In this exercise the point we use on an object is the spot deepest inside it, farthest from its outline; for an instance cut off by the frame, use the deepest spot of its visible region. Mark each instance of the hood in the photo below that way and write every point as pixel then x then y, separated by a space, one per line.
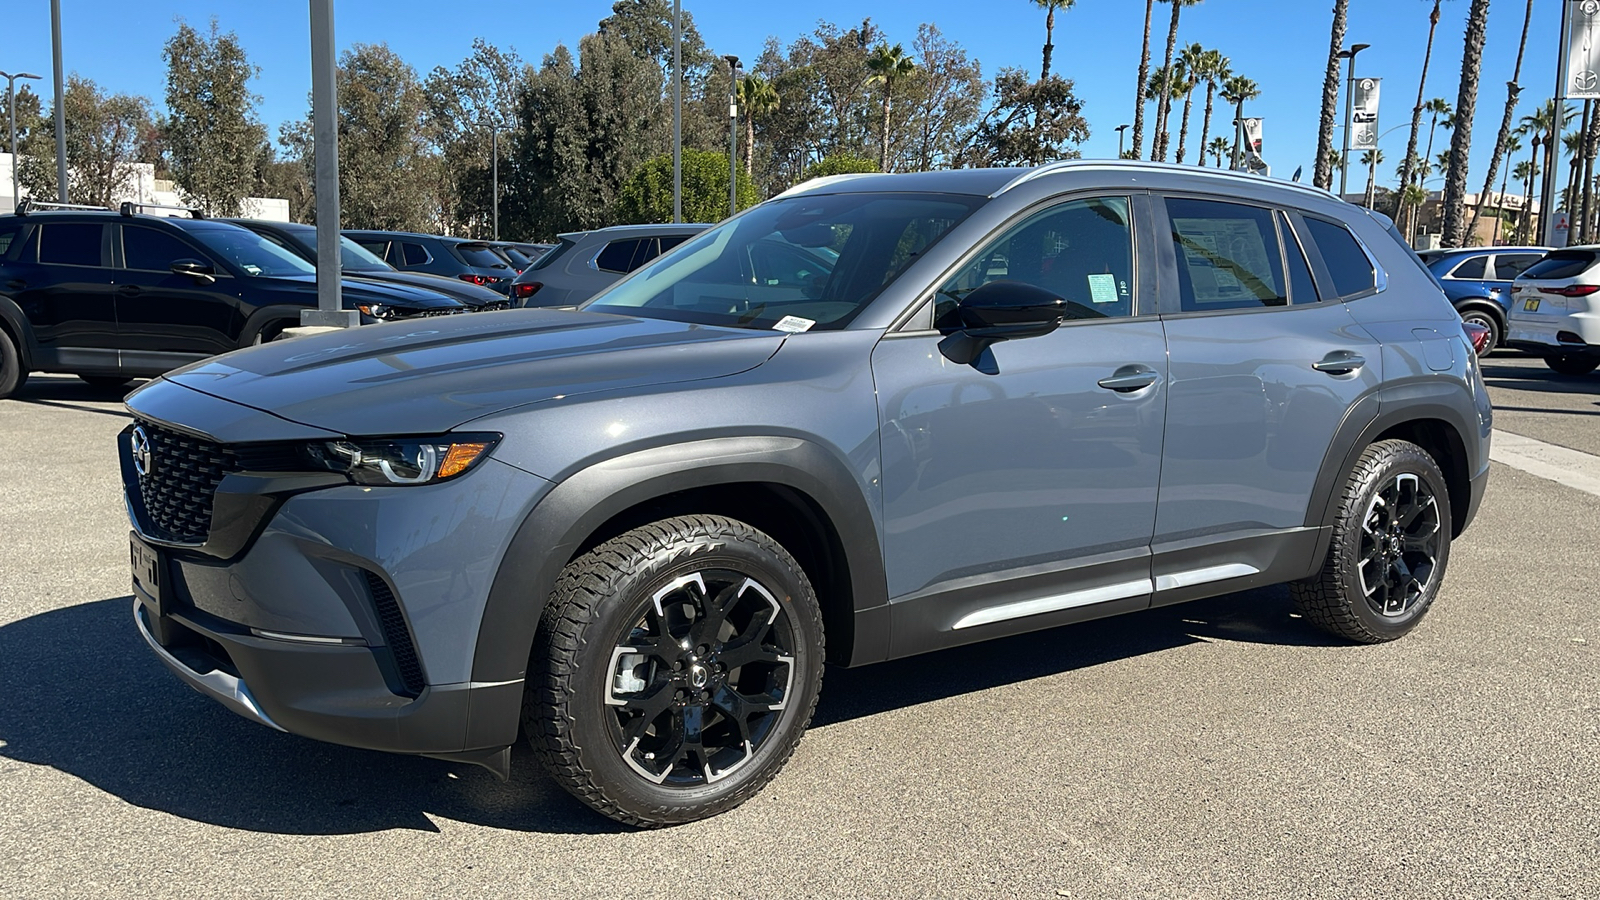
pixel 362 290
pixel 470 294
pixel 406 378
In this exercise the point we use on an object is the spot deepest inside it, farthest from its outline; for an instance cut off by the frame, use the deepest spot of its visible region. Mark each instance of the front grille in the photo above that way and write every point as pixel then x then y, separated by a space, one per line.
pixel 491 307
pixel 395 633
pixel 178 489
pixel 430 313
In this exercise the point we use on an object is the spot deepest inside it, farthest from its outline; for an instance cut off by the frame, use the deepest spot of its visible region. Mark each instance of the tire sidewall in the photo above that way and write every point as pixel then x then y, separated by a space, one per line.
pixel 615 616
pixel 11 374
pixel 1397 459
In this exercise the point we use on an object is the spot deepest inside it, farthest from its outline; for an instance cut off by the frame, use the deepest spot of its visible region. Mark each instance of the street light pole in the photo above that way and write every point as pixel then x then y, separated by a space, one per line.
pixel 1349 111
pixel 677 110
pixel 494 150
pixel 1122 133
pixel 330 311
pixel 1547 196
pixel 733 134
pixel 11 102
pixel 61 103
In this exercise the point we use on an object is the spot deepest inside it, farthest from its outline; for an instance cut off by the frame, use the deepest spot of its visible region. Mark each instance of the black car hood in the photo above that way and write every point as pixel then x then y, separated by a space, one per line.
pixel 406 378
pixel 470 294
pixel 360 290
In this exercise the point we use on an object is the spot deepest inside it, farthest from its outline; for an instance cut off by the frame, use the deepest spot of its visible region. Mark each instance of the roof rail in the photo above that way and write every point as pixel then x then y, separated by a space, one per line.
pixel 129 207
pixel 1124 165
pixel 28 204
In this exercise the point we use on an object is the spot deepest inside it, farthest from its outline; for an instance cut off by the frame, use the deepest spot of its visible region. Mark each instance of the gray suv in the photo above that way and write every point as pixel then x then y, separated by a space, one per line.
pixel 873 417
pixel 587 262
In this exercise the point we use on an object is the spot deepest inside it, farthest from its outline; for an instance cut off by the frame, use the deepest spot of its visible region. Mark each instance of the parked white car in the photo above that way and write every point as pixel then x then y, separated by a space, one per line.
pixel 1555 310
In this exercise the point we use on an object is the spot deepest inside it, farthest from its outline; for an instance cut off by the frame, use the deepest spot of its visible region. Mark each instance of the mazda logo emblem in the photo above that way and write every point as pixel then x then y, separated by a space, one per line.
pixel 144 461
pixel 697 676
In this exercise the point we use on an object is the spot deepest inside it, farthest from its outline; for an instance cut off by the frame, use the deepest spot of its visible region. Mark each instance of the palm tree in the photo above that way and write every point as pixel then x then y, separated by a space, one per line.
pixel 1372 159
pixel 1050 7
pixel 759 98
pixel 1572 142
pixel 1215 70
pixel 1412 197
pixel 1422 87
pixel 1455 180
pixel 1513 143
pixel 1217 148
pixel 1237 90
pixel 888 64
pixel 1543 124
pixel 1144 75
pixel 1192 63
pixel 1322 177
pixel 1164 106
pixel 1525 172
pixel 1438 106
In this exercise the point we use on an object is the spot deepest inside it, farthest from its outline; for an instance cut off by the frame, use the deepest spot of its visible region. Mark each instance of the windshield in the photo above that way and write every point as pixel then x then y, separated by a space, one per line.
pixel 514 256
pixel 251 253
pixel 795 265
pixel 481 256
pixel 355 258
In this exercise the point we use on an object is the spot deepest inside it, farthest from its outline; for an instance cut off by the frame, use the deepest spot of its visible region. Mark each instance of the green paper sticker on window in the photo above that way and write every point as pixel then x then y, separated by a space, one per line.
pixel 1103 288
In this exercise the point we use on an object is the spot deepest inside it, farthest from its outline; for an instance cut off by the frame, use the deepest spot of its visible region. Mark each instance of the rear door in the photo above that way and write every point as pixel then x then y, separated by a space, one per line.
pixel 1265 363
pixel 62 280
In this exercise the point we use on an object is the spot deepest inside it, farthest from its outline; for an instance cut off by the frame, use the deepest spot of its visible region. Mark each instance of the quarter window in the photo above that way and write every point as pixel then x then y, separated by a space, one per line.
pixel 152 251
pixel 69 244
pixel 1348 264
pixel 1474 269
pixel 1081 251
pixel 415 254
pixel 617 256
pixel 1228 256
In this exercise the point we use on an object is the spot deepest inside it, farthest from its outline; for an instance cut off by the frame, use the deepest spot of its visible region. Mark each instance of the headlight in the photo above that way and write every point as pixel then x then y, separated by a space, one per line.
pixel 403 460
pixel 378 310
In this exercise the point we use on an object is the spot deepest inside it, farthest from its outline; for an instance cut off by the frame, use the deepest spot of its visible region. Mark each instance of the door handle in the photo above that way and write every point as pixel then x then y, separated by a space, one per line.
pixel 130 290
pixel 1128 379
pixel 16 284
pixel 1339 362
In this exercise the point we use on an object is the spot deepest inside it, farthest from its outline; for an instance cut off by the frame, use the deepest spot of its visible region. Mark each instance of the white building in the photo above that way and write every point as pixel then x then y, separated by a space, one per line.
pixel 142 186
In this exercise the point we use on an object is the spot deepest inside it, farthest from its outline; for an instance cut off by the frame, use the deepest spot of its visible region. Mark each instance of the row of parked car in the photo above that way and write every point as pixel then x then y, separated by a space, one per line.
pixel 1531 298
pixel 114 295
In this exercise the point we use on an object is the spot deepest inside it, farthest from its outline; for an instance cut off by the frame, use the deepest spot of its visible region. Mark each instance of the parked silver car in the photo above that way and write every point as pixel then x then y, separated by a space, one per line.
pixel 587 262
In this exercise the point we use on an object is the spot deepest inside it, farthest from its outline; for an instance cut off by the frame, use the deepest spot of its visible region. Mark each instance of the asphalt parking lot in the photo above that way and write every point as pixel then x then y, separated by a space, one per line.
pixel 1218 749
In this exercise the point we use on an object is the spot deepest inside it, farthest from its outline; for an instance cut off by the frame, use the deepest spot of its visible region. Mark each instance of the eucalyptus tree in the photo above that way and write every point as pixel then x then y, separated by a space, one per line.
pixel 104 132
pixel 1322 175
pixel 211 134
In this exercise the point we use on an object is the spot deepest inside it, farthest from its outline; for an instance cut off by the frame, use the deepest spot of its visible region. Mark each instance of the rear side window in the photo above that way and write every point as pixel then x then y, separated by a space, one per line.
pixel 70 244
pixel 668 241
pixel 415 254
pixel 1507 266
pixel 1474 268
pixel 1228 256
pixel 618 256
pixel 1561 264
pixel 8 236
pixel 151 250
pixel 1347 263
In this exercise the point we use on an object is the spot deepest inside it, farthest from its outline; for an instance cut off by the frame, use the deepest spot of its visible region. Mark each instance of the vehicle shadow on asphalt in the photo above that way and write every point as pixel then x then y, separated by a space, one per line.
pixel 67 392
pixel 81 693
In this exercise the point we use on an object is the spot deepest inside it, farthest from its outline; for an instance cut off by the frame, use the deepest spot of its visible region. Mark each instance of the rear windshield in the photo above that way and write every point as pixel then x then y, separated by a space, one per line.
pixel 1561 264
pixel 480 255
pixel 558 251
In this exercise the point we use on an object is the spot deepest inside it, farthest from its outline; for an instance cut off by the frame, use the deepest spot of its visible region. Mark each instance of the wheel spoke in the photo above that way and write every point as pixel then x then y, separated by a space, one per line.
pixel 713 612
pixel 748 651
pixel 645 708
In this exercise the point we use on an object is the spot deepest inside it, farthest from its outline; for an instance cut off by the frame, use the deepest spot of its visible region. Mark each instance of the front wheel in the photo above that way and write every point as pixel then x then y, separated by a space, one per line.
pixel 676 668
pixel 1390 546
pixel 1566 364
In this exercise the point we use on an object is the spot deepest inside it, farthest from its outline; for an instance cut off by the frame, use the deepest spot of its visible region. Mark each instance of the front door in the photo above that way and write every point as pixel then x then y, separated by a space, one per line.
pixel 1019 491
pixel 166 318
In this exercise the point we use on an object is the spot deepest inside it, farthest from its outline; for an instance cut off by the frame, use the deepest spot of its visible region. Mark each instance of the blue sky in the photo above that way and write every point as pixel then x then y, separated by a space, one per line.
pixel 1282 44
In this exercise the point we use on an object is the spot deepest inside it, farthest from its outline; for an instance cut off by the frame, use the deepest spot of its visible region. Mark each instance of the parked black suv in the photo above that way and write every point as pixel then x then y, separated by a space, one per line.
pixel 111 297
pixel 474 262
pixel 356 261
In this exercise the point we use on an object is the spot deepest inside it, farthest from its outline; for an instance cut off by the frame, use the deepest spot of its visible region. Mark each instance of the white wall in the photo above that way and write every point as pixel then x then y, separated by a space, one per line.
pixel 143 187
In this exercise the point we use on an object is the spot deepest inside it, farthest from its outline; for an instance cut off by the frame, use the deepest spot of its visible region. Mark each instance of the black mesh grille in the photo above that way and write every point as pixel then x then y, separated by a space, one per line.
pixel 395 633
pixel 177 490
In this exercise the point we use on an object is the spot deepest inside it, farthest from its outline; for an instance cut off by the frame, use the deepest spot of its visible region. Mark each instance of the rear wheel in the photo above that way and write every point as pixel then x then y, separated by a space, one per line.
pixel 269 332
pixel 1487 320
pixel 106 382
pixel 676 668
pixel 1567 364
pixel 12 373
pixel 1390 546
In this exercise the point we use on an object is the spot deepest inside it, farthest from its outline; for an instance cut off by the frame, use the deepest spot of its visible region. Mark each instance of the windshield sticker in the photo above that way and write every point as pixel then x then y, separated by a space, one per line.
pixel 250 268
pixel 1102 288
pixel 793 324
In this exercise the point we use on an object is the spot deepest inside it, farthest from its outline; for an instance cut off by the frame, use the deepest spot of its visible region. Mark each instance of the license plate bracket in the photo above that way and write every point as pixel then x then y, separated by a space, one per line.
pixel 1531 304
pixel 149 574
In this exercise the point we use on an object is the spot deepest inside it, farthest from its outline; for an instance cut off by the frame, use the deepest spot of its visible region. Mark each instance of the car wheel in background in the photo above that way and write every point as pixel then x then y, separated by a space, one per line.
pixel 676 668
pixel 1389 550
pixel 12 375
pixel 1567 364
pixel 1487 320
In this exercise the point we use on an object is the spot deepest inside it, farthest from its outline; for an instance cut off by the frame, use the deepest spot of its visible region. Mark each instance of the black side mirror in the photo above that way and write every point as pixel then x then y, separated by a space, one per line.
pixel 202 272
pixel 1001 311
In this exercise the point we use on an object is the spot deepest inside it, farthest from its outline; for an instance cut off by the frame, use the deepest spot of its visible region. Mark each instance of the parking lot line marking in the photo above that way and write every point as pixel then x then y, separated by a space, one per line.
pixel 1573 468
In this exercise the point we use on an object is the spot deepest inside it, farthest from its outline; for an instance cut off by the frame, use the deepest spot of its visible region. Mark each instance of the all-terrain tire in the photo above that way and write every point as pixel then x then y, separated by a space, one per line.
pixel 1341 598
pixel 571 712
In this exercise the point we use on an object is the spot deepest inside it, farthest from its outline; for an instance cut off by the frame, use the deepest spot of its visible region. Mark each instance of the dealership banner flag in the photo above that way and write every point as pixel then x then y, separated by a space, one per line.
pixel 1364 119
pixel 1252 145
pixel 1583 51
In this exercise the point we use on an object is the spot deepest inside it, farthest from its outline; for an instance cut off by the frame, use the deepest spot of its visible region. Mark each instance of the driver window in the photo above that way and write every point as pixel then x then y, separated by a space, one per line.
pixel 1080 251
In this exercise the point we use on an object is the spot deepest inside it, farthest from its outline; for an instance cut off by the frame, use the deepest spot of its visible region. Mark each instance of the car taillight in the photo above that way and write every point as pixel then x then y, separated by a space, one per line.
pixel 477 279
pixel 526 289
pixel 1574 290
pixel 1477 334
pixel 1516 289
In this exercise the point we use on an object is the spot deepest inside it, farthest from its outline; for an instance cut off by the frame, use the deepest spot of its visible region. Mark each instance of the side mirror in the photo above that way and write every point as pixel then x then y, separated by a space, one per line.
pixel 202 272
pixel 1001 311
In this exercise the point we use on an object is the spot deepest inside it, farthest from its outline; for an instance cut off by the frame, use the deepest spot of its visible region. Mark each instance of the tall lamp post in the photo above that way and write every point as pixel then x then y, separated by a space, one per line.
pixel 1122 132
pixel 1349 110
pixel 733 134
pixel 677 111
pixel 61 102
pixel 494 168
pixel 11 102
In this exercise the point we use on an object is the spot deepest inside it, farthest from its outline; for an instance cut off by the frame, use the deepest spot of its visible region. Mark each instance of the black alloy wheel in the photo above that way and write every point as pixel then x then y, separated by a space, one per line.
pixel 1400 538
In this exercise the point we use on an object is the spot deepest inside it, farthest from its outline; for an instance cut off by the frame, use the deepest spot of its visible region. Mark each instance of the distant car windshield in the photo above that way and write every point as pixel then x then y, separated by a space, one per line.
pixel 481 256
pixel 251 253
pixel 1560 264
pixel 355 258
pixel 797 264
pixel 514 256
